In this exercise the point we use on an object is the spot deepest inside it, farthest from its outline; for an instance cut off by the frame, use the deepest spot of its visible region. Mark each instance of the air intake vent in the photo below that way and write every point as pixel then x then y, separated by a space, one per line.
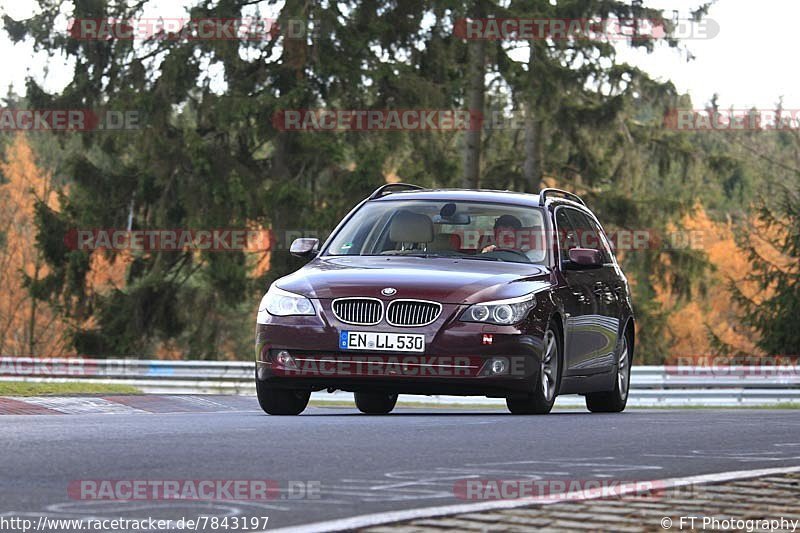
pixel 412 312
pixel 358 311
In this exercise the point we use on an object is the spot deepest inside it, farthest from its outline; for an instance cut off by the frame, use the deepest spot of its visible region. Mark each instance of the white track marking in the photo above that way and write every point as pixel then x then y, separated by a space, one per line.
pixel 370 520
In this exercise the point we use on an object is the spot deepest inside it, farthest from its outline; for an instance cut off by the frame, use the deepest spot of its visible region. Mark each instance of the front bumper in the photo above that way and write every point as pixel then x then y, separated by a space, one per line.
pixel 459 358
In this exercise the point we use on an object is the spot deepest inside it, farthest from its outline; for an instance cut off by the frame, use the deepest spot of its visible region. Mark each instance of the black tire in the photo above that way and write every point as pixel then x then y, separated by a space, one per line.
pixel 275 401
pixel 615 401
pixel 541 400
pixel 375 403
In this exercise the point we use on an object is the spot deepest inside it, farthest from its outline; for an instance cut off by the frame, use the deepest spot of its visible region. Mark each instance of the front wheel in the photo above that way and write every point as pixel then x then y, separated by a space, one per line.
pixel 275 401
pixel 615 400
pixel 541 401
pixel 375 403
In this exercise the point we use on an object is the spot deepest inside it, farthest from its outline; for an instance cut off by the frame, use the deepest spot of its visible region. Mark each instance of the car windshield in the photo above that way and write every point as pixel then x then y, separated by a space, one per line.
pixel 436 228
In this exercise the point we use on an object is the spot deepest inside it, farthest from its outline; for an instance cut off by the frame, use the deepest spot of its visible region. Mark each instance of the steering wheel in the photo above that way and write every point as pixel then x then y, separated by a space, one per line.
pixel 511 251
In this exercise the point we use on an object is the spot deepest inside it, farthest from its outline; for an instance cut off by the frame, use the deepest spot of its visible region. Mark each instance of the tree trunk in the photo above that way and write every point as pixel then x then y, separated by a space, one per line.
pixel 32 317
pixel 475 100
pixel 290 81
pixel 532 167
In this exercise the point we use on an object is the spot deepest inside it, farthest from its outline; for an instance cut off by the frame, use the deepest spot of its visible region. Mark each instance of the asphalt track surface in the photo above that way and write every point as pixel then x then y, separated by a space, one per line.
pixel 368 464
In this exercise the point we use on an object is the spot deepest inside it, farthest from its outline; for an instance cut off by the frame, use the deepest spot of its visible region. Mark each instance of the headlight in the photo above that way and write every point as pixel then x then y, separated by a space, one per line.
pixel 279 302
pixel 503 312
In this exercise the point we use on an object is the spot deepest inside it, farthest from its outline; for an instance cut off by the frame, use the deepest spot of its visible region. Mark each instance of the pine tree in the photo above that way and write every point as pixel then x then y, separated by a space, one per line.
pixel 773 248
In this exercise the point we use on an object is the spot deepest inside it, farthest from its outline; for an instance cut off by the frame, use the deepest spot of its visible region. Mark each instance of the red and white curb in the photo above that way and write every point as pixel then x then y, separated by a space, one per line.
pixel 391 517
pixel 121 404
pixel 80 405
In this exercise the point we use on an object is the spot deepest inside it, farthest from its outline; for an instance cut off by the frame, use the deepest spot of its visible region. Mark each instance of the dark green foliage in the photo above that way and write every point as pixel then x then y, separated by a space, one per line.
pixel 774 311
pixel 207 154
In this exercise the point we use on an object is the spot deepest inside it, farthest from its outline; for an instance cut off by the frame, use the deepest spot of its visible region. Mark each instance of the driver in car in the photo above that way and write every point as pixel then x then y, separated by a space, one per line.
pixel 505 234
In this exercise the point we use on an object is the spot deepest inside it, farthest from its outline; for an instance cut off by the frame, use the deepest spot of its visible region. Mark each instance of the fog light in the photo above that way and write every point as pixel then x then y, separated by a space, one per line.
pixel 285 359
pixel 499 366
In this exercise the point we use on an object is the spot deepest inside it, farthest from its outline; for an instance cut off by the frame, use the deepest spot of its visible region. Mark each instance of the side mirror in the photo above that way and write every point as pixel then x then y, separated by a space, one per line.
pixel 581 258
pixel 304 248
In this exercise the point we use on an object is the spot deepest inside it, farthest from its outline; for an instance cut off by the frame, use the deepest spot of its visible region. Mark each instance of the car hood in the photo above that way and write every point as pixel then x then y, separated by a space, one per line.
pixel 445 280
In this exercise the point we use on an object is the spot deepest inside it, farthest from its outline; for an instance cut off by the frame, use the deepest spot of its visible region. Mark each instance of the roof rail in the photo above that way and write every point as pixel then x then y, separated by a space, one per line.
pixel 389 188
pixel 564 194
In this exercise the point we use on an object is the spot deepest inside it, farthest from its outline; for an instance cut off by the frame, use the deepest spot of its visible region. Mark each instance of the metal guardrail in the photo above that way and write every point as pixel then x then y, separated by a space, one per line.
pixel 650 385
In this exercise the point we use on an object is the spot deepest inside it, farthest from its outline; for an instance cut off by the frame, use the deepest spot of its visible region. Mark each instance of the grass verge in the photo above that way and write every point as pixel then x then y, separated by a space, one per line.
pixel 30 388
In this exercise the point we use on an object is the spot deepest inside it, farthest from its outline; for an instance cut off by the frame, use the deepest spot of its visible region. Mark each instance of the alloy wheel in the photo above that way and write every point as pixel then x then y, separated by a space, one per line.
pixel 549 370
pixel 623 370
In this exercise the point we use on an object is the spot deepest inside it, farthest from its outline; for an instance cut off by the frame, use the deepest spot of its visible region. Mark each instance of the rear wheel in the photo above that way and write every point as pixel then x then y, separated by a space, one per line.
pixel 275 401
pixel 541 401
pixel 614 401
pixel 375 403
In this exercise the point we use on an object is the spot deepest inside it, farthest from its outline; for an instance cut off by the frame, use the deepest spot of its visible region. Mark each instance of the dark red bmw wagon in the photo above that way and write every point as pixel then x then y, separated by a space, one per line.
pixel 458 292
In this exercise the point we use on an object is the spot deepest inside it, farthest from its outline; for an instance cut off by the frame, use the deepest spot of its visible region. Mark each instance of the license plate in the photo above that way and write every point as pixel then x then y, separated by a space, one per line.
pixel 394 342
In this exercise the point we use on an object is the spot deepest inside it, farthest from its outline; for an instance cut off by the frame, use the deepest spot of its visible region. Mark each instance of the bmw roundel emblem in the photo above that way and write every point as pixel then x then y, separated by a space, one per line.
pixel 389 291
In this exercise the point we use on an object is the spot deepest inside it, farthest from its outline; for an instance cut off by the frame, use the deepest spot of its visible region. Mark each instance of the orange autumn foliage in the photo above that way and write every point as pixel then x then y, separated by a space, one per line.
pixel 27 326
pixel 690 325
pixel 259 251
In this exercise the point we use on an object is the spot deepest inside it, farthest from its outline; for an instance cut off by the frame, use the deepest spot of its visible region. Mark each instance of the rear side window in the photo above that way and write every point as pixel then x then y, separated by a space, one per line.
pixel 588 233
pixel 567 236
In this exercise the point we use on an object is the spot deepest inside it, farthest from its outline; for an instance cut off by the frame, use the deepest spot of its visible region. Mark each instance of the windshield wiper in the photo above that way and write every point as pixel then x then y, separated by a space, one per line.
pixel 481 258
pixel 412 253
pixel 425 254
